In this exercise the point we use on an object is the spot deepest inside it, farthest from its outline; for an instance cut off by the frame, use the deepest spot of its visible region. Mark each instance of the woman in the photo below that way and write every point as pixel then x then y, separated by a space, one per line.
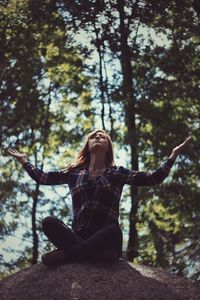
pixel 96 185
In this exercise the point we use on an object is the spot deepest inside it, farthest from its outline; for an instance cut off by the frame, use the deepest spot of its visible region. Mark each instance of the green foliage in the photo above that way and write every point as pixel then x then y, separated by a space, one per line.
pixel 45 100
pixel 168 109
pixel 51 89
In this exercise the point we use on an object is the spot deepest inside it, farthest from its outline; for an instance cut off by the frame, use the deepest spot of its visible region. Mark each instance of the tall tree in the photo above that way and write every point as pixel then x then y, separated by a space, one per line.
pixel 42 84
pixel 153 79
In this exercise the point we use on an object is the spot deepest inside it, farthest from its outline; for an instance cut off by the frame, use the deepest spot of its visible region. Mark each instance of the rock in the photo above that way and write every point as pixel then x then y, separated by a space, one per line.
pixel 98 281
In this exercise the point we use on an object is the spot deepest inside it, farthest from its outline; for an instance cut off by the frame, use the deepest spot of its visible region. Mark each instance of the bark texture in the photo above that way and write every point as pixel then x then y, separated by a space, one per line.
pixel 88 281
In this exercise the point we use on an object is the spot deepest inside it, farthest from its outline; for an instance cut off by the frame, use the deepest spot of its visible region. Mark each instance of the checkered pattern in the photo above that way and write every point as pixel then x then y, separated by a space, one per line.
pixel 96 200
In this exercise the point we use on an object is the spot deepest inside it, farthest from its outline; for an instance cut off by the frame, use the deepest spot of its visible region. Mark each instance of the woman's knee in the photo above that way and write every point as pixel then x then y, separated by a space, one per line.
pixel 48 221
pixel 114 228
pixel 115 232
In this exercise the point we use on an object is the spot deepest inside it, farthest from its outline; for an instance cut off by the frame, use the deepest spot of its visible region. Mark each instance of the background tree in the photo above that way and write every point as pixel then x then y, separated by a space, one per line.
pixel 150 83
pixel 42 84
pixel 144 90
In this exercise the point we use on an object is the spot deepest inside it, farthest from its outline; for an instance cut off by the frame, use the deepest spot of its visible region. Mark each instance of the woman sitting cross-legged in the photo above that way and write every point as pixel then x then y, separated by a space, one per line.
pixel 96 185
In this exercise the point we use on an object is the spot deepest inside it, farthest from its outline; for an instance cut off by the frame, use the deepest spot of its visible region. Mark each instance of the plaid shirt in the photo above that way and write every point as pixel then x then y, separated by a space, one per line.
pixel 96 200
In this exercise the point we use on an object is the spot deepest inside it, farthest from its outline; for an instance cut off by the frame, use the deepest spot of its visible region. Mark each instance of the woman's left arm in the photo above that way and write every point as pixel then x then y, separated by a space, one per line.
pixel 179 149
pixel 152 178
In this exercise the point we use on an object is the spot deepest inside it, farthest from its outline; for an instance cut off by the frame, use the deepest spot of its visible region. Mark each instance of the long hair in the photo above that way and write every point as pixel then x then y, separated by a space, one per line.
pixel 83 157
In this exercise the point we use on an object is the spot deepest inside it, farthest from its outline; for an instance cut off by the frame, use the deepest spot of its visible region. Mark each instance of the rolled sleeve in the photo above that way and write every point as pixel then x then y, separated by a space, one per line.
pixel 137 178
pixel 46 178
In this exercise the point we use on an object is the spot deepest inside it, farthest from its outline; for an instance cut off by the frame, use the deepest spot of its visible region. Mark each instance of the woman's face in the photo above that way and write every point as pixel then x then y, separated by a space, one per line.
pixel 98 141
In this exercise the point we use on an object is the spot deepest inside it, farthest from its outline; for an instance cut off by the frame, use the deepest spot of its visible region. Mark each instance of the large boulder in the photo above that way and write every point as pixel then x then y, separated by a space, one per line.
pixel 98 281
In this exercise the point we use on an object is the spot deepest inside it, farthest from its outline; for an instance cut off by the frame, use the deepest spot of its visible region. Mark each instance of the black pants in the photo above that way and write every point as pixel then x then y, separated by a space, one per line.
pixel 84 244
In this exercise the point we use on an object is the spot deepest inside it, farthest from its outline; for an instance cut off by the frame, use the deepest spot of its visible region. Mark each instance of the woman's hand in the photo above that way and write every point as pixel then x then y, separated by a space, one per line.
pixel 180 148
pixel 21 157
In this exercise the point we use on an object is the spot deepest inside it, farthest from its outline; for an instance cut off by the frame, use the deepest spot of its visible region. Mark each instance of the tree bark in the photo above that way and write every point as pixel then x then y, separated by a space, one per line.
pixel 158 243
pixel 34 229
pixel 129 100
pixel 101 83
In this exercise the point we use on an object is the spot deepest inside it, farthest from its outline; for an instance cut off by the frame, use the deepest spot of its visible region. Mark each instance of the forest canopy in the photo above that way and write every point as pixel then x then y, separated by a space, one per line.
pixel 129 67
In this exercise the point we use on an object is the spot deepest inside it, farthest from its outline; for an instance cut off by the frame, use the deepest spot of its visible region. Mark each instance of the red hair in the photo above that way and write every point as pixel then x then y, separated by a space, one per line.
pixel 83 156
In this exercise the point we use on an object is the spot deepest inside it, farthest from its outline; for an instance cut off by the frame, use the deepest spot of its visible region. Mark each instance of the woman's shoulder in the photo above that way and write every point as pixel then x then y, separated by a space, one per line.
pixel 116 169
pixel 71 168
pixel 77 169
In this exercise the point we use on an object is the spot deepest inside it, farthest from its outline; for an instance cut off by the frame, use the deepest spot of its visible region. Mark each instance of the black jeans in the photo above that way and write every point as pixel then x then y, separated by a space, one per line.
pixel 85 244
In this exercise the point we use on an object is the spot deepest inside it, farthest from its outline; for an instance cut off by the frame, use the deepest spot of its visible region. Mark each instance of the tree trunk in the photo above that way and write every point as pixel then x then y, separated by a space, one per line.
pixel 101 83
pixel 129 100
pixel 34 229
pixel 159 245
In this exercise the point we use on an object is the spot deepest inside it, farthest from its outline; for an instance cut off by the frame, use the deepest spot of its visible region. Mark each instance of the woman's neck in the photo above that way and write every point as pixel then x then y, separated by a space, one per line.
pixel 97 162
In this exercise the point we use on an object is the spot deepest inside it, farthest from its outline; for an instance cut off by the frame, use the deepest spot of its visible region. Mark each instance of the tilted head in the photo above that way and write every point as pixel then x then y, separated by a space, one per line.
pixel 100 139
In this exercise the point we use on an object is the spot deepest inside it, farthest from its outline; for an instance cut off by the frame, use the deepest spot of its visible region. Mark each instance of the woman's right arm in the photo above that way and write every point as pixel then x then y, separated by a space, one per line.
pixel 41 177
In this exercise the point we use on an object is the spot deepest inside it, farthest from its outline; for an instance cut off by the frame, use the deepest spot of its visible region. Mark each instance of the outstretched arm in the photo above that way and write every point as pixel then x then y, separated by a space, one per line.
pixel 45 178
pixel 21 157
pixel 180 149
pixel 151 178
